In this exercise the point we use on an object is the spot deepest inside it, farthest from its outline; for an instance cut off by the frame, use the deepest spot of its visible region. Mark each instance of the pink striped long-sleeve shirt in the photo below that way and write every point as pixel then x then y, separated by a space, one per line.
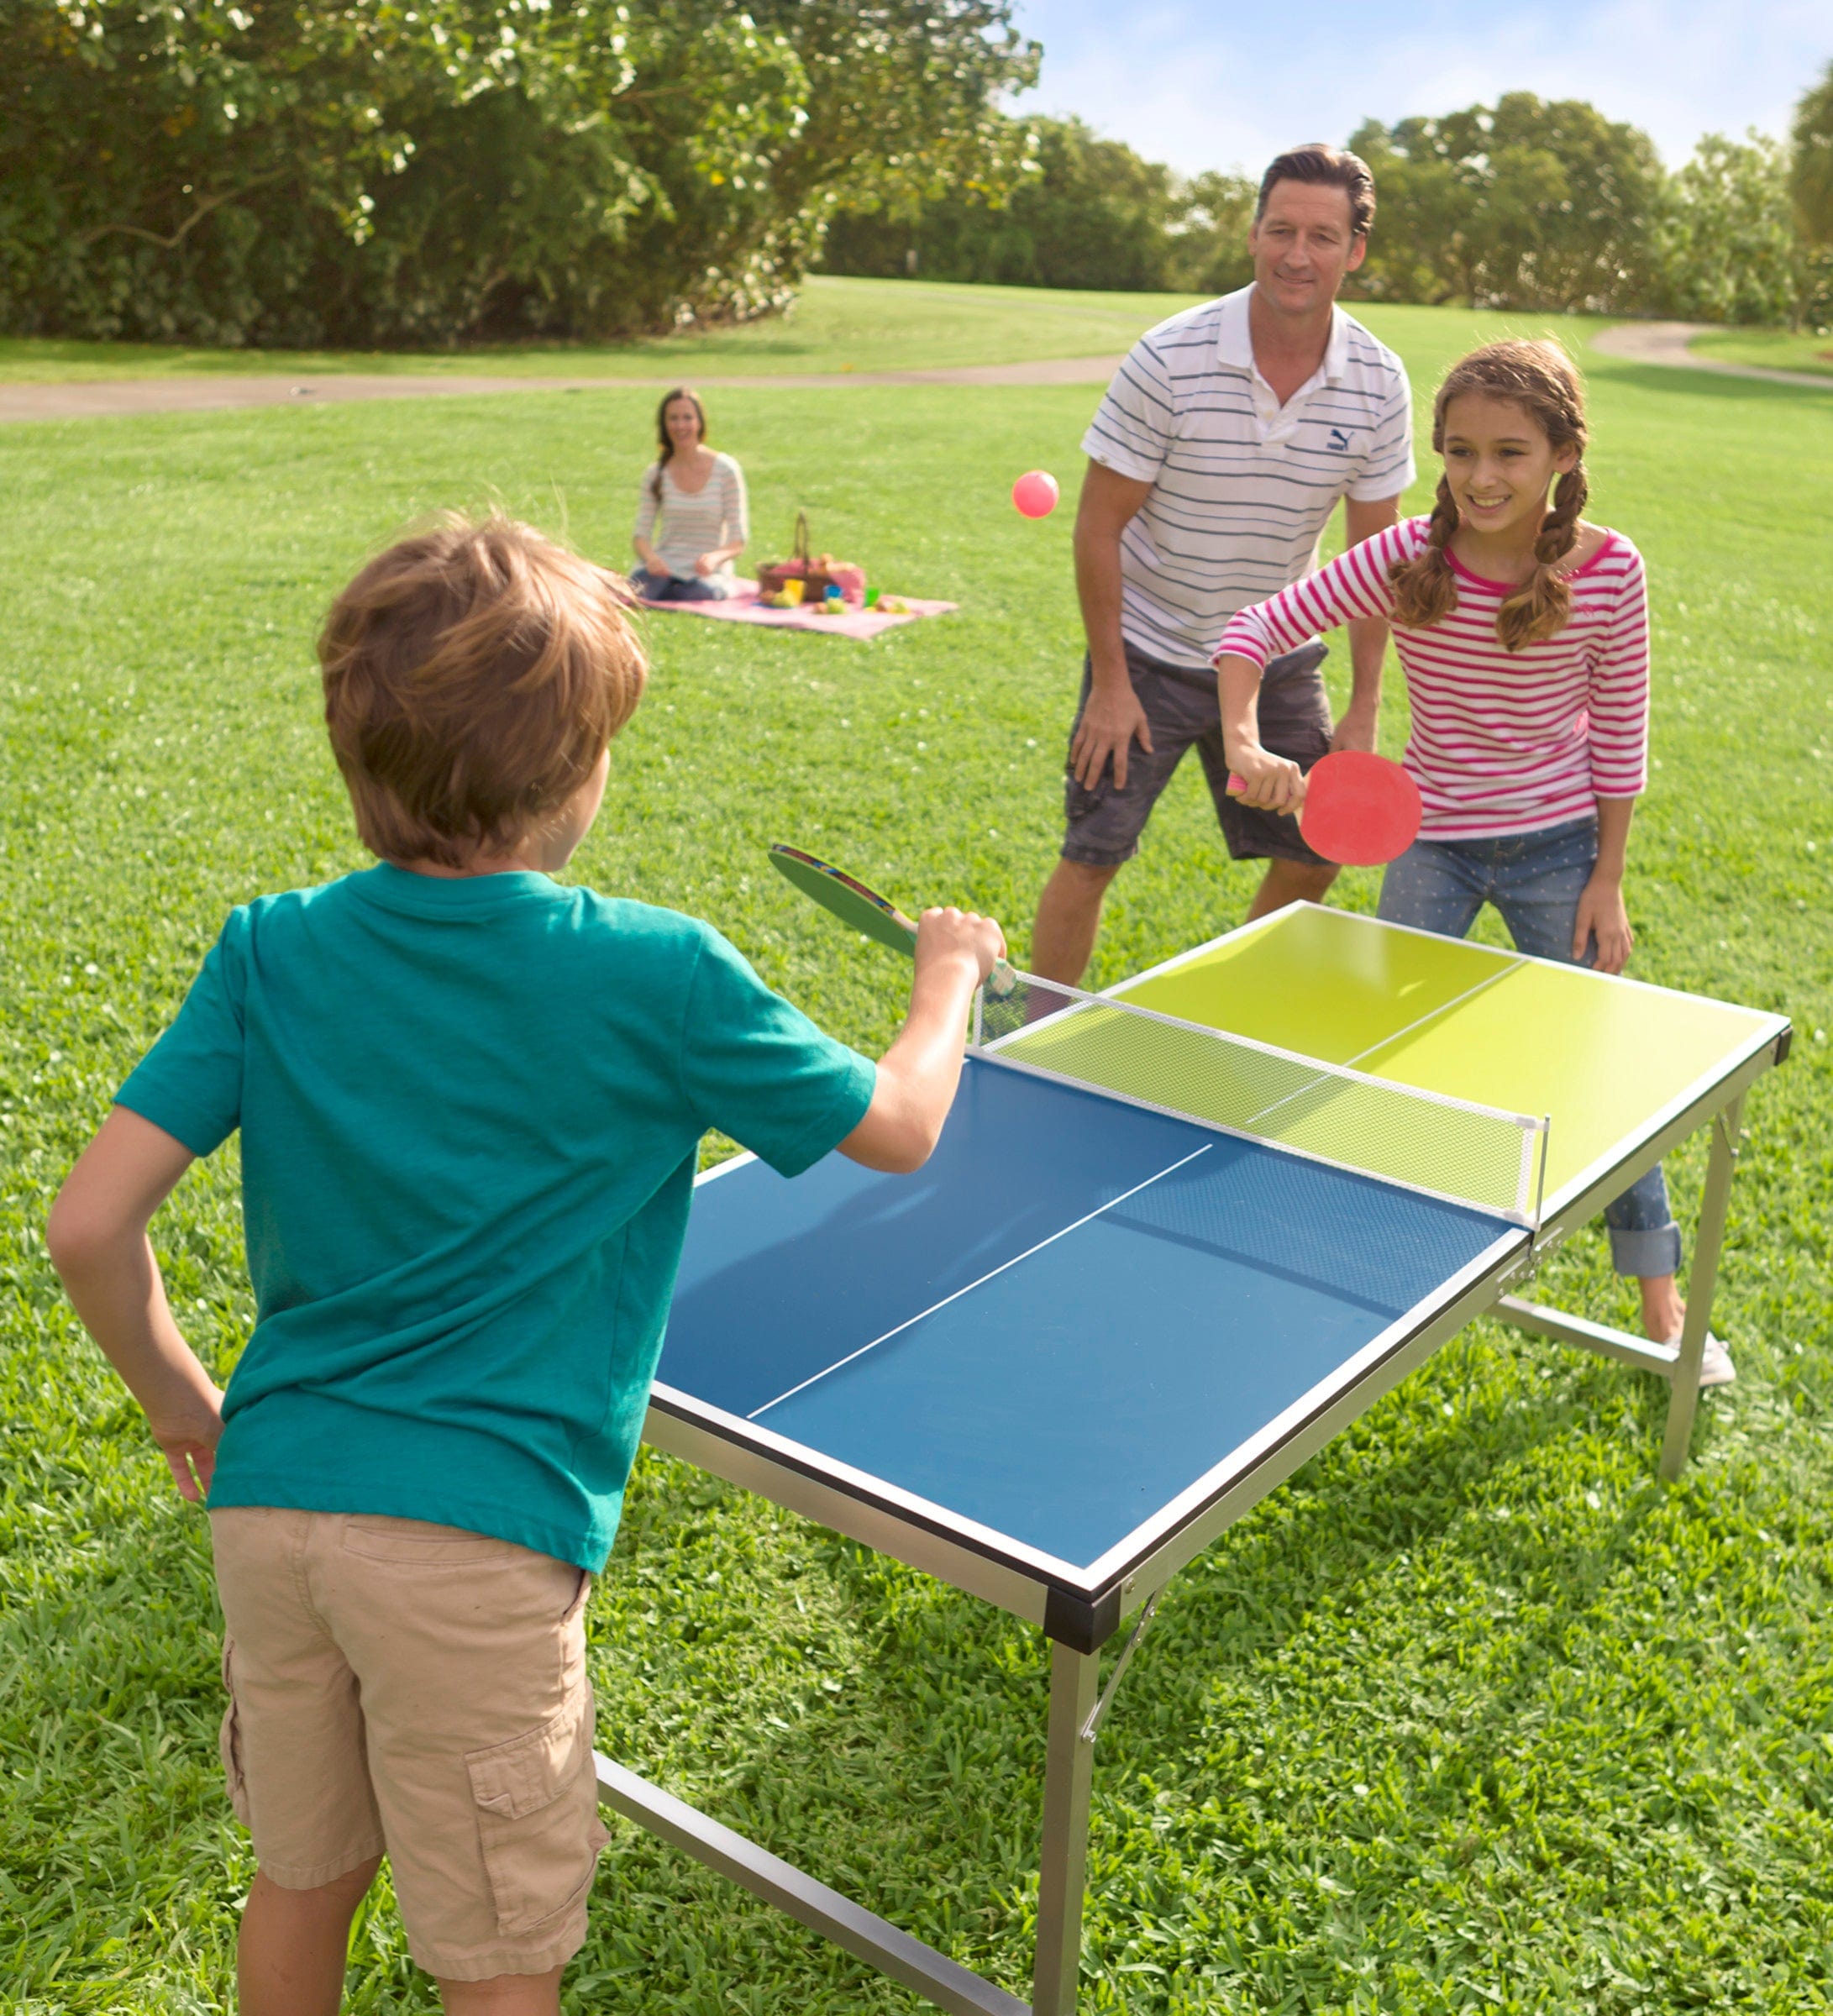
pixel 1503 742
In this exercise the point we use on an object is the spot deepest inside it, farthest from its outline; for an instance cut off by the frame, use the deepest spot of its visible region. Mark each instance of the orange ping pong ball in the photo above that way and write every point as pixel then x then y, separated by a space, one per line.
pixel 1035 493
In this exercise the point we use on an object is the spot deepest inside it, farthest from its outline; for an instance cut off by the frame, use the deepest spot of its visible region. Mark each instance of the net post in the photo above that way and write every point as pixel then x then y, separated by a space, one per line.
pixel 1531 1186
pixel 979 997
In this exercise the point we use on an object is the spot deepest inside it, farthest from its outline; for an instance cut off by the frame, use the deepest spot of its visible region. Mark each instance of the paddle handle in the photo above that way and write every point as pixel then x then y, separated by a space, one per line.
pixel 1237 785
pixel 1002 980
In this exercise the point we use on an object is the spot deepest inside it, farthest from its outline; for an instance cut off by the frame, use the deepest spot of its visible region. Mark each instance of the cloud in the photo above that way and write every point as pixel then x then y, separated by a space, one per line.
pixel 1205 87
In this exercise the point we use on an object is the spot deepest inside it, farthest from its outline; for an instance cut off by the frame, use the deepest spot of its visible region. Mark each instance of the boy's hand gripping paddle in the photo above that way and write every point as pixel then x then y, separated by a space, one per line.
pixel 1358 809
pixel 863 909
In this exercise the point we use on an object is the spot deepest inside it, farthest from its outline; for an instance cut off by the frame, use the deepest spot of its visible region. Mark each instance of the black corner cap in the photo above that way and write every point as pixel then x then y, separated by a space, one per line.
pixel 1782 1044
pixel 1082 1626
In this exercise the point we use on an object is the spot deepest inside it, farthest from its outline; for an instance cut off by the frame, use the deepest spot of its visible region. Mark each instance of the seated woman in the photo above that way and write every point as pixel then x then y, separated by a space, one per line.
pixel 699 497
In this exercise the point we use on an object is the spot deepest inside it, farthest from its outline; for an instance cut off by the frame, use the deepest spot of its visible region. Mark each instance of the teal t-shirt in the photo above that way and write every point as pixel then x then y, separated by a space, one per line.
pixel 469 1113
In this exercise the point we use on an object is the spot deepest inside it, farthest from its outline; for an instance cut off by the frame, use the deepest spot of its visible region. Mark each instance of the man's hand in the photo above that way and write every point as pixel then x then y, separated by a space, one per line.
pixel 1113 720
pixel 1602 915
pixel 1110 723
pixel 1272 783
pixel 1357 730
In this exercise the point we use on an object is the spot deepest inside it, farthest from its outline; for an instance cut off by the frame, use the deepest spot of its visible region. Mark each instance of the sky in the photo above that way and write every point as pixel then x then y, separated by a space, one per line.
pixel 1221 84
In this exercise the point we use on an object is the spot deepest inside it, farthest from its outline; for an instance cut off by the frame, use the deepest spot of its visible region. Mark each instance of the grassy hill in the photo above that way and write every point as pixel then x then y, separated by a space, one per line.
pixel 1472 1714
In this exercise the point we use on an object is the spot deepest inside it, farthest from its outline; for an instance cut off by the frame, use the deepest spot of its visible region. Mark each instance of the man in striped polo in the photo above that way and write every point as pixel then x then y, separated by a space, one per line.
pixel 1223 445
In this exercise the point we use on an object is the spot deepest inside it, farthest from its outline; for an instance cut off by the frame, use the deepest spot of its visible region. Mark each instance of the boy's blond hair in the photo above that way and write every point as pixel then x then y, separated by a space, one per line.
pixel 473 674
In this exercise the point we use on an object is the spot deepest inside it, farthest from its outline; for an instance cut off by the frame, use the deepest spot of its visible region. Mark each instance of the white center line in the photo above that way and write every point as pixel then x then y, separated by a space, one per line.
pixel 1457 1000
pixel 1061 1233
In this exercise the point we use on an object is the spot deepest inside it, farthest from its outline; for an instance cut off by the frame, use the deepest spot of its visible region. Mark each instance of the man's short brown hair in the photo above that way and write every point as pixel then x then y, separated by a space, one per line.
pixel 1336 167
pixel 473 674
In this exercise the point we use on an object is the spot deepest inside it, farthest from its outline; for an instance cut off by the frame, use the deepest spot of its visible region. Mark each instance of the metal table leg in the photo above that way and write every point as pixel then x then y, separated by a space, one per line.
pixel 1701 1283
pixel 1063 1866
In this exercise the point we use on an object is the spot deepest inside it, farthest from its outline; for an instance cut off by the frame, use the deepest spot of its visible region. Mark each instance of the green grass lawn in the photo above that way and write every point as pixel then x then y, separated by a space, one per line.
pixel 1777 349
pixel 1472 1715
pixel 837 325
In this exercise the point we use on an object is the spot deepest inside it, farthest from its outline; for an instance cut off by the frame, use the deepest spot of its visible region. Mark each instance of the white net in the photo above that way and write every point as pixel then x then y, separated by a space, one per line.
pixel 1427 1141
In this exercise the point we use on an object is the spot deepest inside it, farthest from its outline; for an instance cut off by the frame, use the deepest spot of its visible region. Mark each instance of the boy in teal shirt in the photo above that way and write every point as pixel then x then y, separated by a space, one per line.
pixel 470 1101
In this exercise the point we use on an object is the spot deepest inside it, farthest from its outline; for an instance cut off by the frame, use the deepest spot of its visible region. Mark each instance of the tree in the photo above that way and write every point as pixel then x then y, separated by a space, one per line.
pixel 1210 217
pixel 1728 247
pixel 1080 211
pixel 304 171
pixel 1811 172
pixel 1529 204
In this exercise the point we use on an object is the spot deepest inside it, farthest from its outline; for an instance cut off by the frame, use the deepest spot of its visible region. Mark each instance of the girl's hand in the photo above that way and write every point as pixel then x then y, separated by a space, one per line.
pixel 189 1436
pixel 1601 916
pixel 1271 784
pixel 709 562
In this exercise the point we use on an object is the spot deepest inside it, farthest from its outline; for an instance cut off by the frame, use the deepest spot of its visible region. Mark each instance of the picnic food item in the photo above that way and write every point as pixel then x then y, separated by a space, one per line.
pixel 814 573
pixel 1035 493
pixel 1359 809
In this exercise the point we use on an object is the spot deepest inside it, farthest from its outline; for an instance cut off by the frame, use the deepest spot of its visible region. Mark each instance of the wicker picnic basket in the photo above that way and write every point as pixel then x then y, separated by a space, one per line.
pixel 817 574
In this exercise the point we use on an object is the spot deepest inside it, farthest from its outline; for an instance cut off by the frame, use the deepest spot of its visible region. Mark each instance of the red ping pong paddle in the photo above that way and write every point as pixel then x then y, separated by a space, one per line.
pixel 1358 809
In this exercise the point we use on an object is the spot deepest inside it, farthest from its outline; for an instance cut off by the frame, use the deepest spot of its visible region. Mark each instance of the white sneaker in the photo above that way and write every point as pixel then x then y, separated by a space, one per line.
pixel 1715 1366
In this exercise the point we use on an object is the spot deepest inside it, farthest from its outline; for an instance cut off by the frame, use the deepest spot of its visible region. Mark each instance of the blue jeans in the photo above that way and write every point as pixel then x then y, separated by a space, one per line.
pixel 1535 880
pixel 681 588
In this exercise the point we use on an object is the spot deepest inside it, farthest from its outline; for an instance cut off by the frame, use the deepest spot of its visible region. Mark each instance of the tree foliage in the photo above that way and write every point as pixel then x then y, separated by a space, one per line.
pixel 1084 211
pixel 1811 171
pixel 1526 204
pixel 1726 242
pixel 287 172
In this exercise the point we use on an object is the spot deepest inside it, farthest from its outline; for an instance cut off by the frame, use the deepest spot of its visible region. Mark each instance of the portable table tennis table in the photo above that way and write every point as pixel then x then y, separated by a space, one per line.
pixel 1101 1324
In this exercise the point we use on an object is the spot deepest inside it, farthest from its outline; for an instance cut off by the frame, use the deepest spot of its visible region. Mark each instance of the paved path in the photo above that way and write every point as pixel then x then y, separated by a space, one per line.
pixel 1669 342
pixel 1666 342
pixel 100 398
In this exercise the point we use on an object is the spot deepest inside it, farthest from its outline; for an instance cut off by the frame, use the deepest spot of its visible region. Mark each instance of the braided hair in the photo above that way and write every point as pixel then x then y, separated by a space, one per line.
pixel 1540 379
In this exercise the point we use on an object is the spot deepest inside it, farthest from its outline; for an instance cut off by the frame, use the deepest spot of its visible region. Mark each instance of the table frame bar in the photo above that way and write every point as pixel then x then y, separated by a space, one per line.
pixel 865 1934
pixel 1701 1284
pixel 1063 1863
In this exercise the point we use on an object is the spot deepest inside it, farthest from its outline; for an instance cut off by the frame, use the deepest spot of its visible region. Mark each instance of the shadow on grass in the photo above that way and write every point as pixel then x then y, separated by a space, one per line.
pixel 919 1792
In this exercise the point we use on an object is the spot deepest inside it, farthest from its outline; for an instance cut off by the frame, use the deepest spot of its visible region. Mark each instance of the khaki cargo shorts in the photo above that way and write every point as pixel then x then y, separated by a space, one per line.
pixel 417 1689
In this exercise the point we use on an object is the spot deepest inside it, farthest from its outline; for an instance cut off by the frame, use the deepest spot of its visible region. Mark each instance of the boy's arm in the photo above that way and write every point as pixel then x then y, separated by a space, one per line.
pixel 97 1239
pixel 917 1075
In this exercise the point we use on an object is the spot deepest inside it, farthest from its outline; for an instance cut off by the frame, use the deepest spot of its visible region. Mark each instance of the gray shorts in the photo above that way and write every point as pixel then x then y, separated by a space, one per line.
pixel 1104 825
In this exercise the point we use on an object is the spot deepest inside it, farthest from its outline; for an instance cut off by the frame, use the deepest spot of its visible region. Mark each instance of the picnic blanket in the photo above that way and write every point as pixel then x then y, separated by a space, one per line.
pixel 745 607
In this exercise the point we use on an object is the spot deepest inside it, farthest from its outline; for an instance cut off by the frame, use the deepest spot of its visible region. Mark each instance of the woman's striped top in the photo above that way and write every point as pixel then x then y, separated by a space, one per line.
pixel 1503 742
pixel 696 522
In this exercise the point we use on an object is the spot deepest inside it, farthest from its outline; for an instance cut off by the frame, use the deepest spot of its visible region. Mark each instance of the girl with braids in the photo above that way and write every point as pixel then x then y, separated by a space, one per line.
pixel 1523 631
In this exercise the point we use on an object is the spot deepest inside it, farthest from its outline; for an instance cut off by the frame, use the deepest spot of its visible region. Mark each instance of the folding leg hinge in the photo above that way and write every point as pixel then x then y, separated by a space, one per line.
pixel 1091 1728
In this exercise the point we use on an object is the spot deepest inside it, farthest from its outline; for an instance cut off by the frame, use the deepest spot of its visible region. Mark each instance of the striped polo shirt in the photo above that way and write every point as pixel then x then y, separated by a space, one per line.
pixel 1241 485
pixel 1503 742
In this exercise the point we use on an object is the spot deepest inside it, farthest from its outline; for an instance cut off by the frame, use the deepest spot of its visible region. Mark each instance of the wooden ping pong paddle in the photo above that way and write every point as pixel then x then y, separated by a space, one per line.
pixel 864 910
pixel 1358 809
